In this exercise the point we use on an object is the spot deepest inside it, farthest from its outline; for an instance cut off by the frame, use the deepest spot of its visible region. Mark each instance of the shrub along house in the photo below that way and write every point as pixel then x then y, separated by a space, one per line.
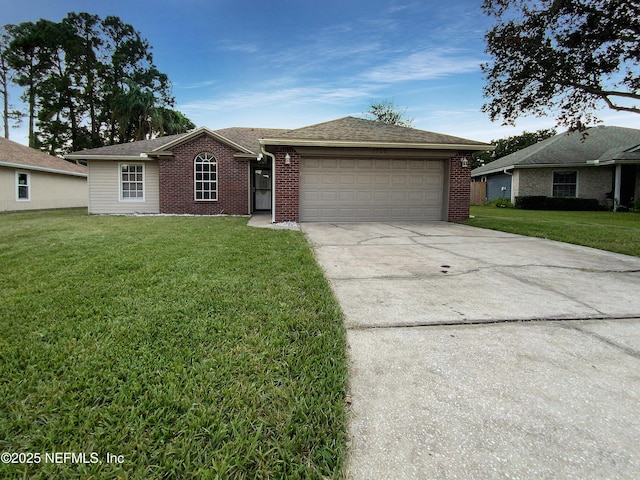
pixel 348 169
pixel 602 163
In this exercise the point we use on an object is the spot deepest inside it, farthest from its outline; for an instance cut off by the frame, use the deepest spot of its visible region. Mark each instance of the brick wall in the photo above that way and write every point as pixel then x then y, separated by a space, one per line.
pixel 459 189
pixel 287 185
pixel 592 182
pixel 177 181
pixel 535 181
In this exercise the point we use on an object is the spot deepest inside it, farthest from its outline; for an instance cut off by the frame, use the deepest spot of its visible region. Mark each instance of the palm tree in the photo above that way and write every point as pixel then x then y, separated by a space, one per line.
pixel 135 113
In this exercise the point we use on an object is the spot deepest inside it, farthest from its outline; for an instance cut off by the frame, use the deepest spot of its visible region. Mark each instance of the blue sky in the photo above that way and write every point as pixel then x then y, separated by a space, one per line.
pixel 292 63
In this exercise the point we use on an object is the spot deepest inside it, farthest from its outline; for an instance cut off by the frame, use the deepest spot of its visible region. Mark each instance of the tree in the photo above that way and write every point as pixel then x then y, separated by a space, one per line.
pixel 130 74
pixel 567 57
pixel 87 82
pixel 90 71
pixel 29 56
pixel 387 112
pixel 174 122
pixel 6 77
pixel 507 146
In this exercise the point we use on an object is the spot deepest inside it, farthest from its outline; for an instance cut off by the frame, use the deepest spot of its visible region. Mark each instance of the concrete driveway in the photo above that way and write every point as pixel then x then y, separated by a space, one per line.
pixel 446 381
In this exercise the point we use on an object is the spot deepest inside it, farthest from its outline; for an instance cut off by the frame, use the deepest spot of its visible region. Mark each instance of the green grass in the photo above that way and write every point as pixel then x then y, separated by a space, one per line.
pixel 194 347
pixel 616 232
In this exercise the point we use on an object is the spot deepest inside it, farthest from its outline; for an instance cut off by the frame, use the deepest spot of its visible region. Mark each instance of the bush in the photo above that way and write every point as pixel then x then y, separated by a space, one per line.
pixel 535 202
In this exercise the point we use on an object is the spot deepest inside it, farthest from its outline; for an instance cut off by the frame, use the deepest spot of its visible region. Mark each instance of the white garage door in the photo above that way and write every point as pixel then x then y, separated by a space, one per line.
pixel 346 190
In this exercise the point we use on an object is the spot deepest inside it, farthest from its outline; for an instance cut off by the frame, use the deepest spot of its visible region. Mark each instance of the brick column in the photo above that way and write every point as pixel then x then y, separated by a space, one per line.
pixel 459 188
pixel 287 185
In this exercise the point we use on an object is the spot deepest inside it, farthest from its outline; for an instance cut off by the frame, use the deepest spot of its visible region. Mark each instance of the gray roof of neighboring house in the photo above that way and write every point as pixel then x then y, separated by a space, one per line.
pixel 597 145
pixel 15 155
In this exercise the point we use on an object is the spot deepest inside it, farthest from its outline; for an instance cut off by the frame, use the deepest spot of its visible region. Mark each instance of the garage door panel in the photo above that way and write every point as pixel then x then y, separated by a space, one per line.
pixel 371 190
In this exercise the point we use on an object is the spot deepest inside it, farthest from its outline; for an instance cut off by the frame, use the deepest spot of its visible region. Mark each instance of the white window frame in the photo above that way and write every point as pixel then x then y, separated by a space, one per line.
pixel 199 180
pixel 121 182
pixel 27 185
pixel 554 183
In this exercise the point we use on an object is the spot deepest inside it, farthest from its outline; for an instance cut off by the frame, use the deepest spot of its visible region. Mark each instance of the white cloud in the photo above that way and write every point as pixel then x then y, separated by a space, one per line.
pixel 190 86
pixel 239 47
pixel 278 97
pixel 426 65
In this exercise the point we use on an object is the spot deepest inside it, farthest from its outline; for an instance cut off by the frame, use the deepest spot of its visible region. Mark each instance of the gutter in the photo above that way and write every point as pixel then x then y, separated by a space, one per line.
pixel 352 144
pixel 535 165
pixel 21 166
pixel 126 158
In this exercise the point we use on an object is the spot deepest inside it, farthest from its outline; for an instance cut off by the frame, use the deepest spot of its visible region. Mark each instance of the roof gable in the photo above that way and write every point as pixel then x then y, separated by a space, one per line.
pixel 597 144
pixel 13 154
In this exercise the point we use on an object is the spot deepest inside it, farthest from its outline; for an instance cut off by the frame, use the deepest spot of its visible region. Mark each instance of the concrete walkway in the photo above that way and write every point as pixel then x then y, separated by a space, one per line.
pixel 263 220
pixel 446 379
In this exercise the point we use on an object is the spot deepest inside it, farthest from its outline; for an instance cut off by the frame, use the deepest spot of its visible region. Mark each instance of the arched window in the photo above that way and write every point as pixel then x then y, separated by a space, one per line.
pixel 205 177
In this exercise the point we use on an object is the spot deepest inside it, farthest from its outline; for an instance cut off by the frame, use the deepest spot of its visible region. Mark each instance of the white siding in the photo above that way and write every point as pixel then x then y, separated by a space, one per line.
pixel 104 189
pixel 46 190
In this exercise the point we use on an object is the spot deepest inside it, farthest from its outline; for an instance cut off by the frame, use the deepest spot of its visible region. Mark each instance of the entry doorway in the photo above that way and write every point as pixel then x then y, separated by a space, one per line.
pixel 628 185
pixel 261 189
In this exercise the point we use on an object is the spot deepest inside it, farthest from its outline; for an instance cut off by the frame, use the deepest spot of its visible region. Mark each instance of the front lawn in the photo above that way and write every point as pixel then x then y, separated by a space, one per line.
pixel 616 232
pixel 184 347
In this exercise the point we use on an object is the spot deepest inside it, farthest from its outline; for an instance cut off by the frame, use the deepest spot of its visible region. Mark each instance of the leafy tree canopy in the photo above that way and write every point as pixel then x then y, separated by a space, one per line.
pixel 567 57
pixel 507 146
pixel 87 82
pixel 387 112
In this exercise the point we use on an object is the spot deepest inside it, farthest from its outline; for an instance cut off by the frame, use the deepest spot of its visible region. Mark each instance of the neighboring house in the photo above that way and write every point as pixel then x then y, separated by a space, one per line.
pixel 601 163
pixel 33 180
pixel 348 169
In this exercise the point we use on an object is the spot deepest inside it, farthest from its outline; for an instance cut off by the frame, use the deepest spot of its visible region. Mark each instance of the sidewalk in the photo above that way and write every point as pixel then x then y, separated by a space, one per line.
pixel 263 220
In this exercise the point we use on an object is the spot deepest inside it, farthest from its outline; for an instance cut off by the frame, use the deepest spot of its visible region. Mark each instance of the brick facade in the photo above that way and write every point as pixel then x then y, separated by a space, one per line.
pixel 592 182
pixel 287 185
pixel 459 189
pixel 176 177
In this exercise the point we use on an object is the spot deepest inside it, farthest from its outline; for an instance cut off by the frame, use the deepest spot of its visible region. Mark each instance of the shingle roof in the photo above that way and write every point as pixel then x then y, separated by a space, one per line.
pixel 353 131
pixel 604 144
pixel 130 148
pixel 359 130
pixel 247 138
pixel 15 154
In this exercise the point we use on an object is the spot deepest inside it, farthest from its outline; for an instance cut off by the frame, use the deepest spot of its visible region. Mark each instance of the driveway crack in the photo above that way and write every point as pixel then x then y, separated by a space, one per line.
pixel 623 348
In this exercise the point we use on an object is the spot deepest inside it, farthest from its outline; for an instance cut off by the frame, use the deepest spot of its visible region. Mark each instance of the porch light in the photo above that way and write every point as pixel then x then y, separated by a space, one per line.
pixel 464 161
pixel 287 159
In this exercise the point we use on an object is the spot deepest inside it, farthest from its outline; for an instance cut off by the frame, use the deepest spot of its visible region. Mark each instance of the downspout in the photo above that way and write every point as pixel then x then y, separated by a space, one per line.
pixel 513 197
pixel 273 182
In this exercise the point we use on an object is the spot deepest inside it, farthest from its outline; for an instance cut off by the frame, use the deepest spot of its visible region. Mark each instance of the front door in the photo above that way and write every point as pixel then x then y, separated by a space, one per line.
pixel 262 189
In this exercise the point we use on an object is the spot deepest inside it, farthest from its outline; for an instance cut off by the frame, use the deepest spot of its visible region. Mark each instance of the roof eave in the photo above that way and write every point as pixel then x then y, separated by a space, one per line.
pixel 360 144
pixel 21 166
pixel 120 158
pixel 494 170
pixel 537 165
